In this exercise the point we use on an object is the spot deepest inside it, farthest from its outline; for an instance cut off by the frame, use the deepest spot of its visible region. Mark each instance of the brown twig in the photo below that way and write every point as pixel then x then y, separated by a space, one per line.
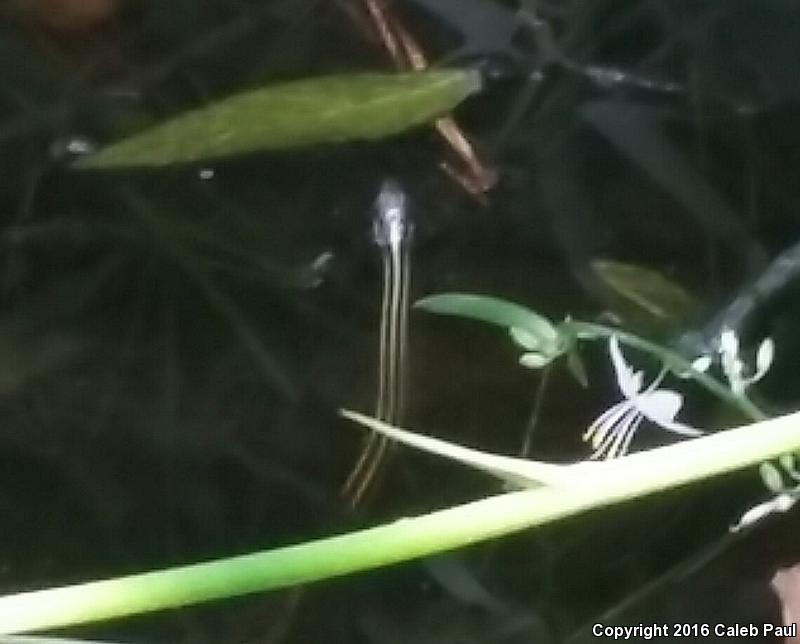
pixel 469 172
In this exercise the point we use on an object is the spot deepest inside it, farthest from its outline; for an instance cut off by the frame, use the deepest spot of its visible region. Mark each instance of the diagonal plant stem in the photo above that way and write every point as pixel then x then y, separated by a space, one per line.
pixel 626 478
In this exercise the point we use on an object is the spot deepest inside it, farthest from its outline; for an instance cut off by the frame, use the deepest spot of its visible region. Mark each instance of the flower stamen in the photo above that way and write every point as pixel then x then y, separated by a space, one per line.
pixel 612 432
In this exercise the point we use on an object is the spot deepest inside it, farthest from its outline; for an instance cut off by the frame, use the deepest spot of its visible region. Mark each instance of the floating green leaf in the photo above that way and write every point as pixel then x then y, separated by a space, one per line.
pixel 529 330
pixel 645 292
pixel 306 112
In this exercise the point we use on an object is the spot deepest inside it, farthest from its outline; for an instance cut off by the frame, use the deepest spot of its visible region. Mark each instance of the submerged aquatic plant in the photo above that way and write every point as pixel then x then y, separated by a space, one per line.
pixel 552 491
pixel 611 433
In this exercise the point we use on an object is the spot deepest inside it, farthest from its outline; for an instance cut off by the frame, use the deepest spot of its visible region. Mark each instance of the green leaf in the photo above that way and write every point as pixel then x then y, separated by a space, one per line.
pixel 518 472
pixel 645 293
pixel 534 360
pixel 307 112
pixel 789 463
pixel 576 367
pixel 525 339
pixel 529 330
pixel 771 477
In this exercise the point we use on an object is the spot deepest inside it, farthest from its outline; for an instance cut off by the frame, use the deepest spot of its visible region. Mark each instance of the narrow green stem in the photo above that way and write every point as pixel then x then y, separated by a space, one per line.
pixel 625 478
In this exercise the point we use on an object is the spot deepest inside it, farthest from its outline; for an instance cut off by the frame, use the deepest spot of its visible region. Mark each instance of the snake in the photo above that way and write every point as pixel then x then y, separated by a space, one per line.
pixel 392 232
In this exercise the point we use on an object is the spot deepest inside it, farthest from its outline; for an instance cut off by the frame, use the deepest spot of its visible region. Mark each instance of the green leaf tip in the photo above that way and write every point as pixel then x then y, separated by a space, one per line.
pixel 529 330
pixel 323 110
pixel 514 471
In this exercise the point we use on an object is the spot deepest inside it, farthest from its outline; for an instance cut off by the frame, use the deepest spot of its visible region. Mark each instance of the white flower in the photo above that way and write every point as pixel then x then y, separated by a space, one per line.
pixel 785 495
pixel 701 364
pixel 733 366
pixel 780 503
pixel 611 433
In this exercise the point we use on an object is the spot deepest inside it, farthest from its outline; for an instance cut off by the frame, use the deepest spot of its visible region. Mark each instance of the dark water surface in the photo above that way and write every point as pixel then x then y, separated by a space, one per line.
pixel 174 343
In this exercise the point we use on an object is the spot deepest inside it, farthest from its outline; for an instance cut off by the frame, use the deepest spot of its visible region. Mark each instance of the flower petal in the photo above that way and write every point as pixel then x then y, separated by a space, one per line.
pixel 661 405
pixel 630 381
pixel 681 428
pixel 700 364
pixel 729 343
pixel 764 358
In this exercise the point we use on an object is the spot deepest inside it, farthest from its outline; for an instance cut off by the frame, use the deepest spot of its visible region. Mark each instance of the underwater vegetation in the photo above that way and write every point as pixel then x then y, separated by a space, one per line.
pixel 477 314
